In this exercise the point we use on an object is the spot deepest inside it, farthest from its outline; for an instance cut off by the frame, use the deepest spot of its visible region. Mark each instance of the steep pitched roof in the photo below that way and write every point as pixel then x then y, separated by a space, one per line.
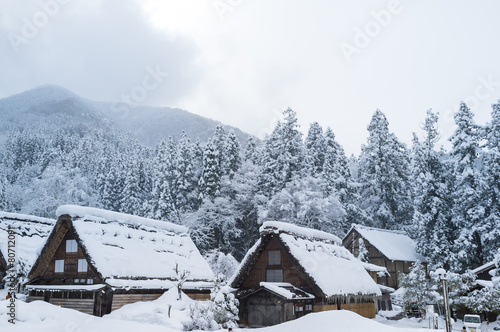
pixel 31 234
pixel 330 266
pixel 126 247
pixel 395 245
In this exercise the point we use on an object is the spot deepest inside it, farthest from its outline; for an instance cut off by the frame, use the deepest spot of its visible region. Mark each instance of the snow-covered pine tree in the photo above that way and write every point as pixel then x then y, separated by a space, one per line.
pixel 283 155
pixel 384 177
pixel 210 179
pixel 469 188
pixel 184 178
pixel 337 181
pixel 251 152
pixel 232 154
pixel 133 194
pixel 432 226
pixel 315 149
pixel 162 202
pixel 219 142
pixel 491 232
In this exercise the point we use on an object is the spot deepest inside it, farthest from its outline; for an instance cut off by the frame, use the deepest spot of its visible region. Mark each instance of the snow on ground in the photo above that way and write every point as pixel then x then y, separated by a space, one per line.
pixel 156 312
pixel 152 316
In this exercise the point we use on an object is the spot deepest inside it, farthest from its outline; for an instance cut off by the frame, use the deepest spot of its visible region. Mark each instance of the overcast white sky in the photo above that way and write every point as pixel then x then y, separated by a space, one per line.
pixel 243 61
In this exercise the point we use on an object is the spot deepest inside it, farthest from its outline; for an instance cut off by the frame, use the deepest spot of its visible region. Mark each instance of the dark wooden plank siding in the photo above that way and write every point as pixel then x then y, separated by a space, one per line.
pixel 82 305
pixel 291 273
pixel 119 300
pixel 70 264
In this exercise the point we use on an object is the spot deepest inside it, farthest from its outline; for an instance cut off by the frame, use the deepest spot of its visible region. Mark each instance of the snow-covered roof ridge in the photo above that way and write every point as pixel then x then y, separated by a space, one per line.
pixel 393 244
pixel 358 226
pixel 26 217
pixel 95 214
pixel 287 228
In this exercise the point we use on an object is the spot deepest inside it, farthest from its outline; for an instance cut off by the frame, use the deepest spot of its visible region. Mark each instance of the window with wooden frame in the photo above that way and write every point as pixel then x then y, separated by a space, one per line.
pixel 274 257
pixel 71 246
pixel 275 275
pixel 82 265
pixel 59 266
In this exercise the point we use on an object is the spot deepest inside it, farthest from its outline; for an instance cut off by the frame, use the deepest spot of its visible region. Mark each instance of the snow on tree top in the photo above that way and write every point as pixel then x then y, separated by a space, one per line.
pixel 106 216
pixel 31 234
pixel 308 233
pixel 395 245
pixel 123 246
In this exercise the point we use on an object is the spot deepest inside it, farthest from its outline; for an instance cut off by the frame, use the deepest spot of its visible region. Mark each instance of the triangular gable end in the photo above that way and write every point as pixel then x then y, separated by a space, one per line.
pixel 64 256
pixel 252 270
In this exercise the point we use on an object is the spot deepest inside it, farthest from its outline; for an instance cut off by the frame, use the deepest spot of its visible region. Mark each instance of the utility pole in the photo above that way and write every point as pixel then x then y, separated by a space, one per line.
pixel 444 278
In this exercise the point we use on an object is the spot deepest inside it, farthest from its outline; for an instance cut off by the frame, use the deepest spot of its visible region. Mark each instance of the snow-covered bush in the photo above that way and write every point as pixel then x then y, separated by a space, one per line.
pixel 202 317
pixel 225 304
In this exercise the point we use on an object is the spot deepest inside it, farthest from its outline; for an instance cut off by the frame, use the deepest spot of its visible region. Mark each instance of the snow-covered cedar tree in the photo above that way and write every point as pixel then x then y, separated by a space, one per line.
pixel 363 252
pixel 432 225
pixel 469 187
pixel 225 304
pixel 222 264
pixel 416 287
pixel 384 176
pixel 210 179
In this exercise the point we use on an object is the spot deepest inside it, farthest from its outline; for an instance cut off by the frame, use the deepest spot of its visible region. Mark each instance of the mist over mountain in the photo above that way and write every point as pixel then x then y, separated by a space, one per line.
pixel 53 107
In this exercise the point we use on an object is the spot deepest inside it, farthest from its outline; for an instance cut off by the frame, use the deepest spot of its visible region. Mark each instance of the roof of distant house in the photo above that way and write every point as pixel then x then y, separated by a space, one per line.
pixel 395 245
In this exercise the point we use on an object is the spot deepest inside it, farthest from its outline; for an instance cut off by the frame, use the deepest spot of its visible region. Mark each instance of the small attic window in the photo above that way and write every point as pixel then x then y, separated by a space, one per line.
pixel 82 265
pixel 274 275
pixel 273 257
pixel 59 266
pixel 71 246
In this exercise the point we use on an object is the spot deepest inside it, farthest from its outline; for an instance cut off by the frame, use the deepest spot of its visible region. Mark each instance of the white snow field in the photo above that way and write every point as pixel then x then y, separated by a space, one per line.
pixel 152 316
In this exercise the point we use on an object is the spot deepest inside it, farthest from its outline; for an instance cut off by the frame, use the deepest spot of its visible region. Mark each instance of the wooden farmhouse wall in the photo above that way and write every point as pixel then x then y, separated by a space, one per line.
pixel 70 258
pixel 291 272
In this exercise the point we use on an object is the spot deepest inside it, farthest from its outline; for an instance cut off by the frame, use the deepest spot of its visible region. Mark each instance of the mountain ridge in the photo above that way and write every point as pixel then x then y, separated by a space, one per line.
pixel 48 105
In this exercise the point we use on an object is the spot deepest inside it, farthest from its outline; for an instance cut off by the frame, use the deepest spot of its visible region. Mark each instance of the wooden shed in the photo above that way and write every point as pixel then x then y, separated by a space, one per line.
pixel 391 249
pixel 30 233
pixel 292 271
pixel 96 261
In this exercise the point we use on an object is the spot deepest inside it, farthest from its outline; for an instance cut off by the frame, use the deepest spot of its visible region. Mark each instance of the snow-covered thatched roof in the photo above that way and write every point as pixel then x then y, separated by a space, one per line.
pixel 395 245
pixel 122 246
pixel 31 234
pixel 334 270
